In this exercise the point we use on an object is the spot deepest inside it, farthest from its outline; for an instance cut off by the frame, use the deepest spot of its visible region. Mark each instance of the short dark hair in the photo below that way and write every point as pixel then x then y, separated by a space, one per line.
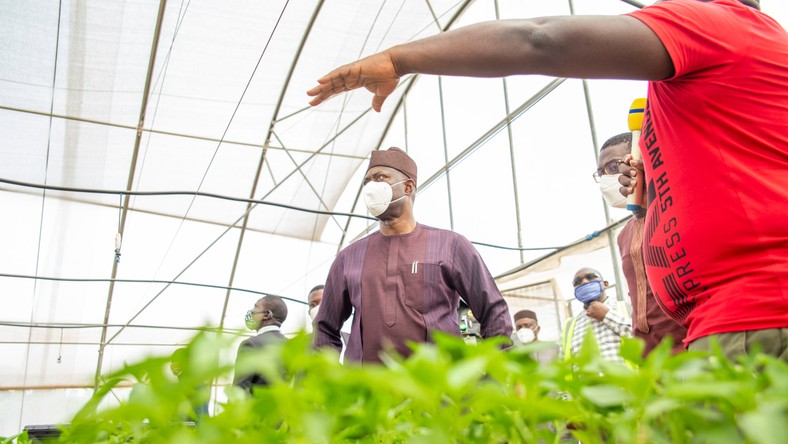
pixel 617 139
pixel 594 270
pixel 315 288
pixel 276 306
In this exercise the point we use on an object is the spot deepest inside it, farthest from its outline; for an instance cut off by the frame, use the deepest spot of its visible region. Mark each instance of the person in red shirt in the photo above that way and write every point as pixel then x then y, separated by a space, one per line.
pixel 714 142
pixel 649 322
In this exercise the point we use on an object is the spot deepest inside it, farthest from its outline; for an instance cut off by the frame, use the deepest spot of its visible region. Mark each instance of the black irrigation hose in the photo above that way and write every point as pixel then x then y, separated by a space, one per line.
pixel 230 198
pixel 146 281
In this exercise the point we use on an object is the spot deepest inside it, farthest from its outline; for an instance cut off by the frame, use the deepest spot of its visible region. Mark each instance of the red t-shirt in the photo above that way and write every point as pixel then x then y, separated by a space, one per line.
pixel 715 148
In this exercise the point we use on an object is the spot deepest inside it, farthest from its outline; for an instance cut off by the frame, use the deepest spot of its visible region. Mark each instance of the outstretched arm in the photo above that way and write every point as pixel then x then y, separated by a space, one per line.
pixel 616 47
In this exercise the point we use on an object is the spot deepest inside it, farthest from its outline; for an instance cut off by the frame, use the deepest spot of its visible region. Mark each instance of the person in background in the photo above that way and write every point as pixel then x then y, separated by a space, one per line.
pixel 527 328
pixel 405 280
pixel 714 142
pixel 266 318
pixel 600 317
pixel 649 322
pixel 199 395
pixel 313 300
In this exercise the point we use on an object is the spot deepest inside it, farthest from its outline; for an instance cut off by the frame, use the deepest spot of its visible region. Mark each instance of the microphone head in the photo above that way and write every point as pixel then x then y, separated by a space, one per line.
pixel 635 118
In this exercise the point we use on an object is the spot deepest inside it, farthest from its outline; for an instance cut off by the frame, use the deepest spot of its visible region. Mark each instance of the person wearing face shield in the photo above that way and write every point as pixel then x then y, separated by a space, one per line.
pixel 265 318
pixel 403 282
pixel 649 322
pixel 527 328
pixel 600 317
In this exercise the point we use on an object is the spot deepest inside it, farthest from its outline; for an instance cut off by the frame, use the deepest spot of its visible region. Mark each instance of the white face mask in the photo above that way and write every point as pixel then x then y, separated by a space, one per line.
pixel 377 196
pixel 313 311
pixel 526 335
pixel 609 186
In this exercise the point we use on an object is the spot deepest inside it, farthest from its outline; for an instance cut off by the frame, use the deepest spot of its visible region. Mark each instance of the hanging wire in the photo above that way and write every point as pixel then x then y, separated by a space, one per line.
pixel 179 193
pixel 43 203
pixel 146 281
pixel 60 348
pixel 118 236
pixel 230 198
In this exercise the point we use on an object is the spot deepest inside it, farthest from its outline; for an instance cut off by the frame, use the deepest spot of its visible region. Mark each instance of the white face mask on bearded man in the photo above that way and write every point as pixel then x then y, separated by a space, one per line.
pixel 377 196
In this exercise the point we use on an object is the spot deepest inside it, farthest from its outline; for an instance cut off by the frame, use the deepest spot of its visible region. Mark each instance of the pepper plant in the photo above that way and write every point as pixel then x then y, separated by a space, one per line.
pixel 448 392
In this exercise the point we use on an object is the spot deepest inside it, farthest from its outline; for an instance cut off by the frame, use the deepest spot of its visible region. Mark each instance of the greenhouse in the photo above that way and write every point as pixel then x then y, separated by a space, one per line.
pixel 162 170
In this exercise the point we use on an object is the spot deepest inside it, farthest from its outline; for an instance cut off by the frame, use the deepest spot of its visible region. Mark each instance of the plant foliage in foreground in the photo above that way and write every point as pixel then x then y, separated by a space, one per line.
pixel 451 393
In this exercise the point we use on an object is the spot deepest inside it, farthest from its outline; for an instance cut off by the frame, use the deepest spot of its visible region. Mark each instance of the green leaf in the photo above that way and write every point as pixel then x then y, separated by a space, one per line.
pixel 465 373
pixel 768 424
pixel 704 390
pixel 659 407
pixel 632 350
pixel 606 395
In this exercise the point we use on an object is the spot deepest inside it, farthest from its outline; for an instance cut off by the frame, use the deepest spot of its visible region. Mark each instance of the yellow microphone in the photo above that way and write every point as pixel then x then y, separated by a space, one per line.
pixel 635 122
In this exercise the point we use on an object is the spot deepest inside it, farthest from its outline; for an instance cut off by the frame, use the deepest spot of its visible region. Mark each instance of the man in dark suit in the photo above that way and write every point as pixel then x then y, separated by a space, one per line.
pixel 267 316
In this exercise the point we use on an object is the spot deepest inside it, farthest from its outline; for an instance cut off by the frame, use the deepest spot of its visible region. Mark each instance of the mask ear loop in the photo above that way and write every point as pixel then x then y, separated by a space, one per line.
pixel 401 197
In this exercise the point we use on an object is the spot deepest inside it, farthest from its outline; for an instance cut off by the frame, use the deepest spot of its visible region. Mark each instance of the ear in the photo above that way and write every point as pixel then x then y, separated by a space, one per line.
pixel 605 283
pixel 409 186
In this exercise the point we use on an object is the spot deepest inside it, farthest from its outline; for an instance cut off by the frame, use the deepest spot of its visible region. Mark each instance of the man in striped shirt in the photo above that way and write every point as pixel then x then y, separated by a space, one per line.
pixel 405 281
pixel 599 316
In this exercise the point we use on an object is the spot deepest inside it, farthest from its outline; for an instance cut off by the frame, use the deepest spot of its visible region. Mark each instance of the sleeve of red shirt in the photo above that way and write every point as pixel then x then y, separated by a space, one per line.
pixel 697 35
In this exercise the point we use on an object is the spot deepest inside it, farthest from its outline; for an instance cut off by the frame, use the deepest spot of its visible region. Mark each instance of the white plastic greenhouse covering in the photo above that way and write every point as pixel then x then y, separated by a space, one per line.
pixel 184 127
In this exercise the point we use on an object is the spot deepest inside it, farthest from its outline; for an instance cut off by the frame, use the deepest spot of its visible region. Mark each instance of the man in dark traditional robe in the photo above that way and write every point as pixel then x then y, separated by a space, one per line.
pixel 404 281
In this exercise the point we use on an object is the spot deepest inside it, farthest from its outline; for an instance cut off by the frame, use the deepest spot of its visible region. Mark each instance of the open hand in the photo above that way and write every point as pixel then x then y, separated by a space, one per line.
pixel 377 73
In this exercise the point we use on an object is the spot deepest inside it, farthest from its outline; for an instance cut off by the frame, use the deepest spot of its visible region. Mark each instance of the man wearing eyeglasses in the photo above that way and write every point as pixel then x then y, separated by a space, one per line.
pixel 600 317
pixel 649 322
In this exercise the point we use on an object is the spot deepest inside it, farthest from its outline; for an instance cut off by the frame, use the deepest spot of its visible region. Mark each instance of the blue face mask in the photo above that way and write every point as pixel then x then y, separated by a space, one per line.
pixel 590 291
